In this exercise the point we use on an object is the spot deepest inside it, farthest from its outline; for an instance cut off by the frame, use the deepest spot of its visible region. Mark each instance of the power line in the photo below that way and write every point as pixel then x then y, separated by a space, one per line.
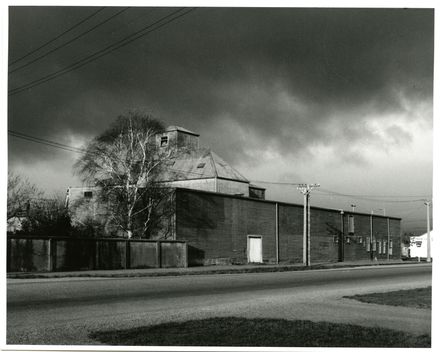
pixel 38 58
pixel 75 149
pixel 176 170
pixel 414 220
pixel 374 198
pixel 277 183
pixel 369 195
pixel 46 142
pixel 104 51
pixel 58 36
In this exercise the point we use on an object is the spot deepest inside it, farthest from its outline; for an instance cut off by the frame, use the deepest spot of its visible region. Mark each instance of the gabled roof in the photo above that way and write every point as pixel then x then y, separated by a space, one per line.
pixel 180 129
pixel 199 164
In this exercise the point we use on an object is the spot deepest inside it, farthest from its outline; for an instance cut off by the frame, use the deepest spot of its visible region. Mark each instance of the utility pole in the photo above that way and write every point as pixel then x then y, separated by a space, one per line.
pixel 371 236
pixel 428 232
pixel 388 238
pixel 305 189
pixel 341 239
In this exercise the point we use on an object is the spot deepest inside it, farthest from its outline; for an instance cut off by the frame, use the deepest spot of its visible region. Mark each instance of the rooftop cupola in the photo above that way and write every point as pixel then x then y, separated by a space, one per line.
pixel 178 137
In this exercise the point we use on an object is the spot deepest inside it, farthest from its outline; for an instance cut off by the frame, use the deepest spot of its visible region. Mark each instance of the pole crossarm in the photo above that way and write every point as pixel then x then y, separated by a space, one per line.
pixel 306 188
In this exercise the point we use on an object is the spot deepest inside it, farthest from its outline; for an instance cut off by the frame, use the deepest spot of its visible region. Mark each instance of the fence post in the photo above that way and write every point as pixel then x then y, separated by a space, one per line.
pixel 53 254
pixel 127 254
pixel 186 255
pixel 96 254
pixel 49 255
pixel 158 254
pixel 8 253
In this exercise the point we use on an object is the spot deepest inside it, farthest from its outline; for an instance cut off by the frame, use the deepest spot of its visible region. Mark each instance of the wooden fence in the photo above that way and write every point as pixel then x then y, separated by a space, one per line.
pixel 39 254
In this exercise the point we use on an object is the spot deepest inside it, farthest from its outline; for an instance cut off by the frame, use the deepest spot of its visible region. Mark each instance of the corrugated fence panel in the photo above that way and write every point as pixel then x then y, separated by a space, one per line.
pixel 28 254
pixel 143 254
pixel 173 254
pixel 70 254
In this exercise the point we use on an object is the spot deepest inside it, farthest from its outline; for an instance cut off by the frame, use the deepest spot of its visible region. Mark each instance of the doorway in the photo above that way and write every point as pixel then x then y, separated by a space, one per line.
pixel 255 249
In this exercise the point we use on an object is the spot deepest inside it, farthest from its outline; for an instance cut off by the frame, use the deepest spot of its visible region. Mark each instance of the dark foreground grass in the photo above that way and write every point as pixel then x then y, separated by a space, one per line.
pixel 232 331
pixel 416 298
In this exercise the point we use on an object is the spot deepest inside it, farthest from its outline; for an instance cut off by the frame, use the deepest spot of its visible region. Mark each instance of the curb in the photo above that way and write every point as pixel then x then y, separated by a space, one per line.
pixel 214 271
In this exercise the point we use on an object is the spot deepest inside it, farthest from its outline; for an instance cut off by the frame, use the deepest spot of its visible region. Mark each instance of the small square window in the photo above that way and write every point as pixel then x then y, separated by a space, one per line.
pixel 88 194
pixel 164 141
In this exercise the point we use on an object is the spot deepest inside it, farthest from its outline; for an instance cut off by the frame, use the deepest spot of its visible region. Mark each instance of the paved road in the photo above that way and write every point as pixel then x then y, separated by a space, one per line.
pixel 64 311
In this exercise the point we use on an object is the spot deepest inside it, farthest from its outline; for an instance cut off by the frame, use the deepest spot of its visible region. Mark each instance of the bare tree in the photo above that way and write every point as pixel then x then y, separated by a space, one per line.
pixel 125 163
pixel 49 216
pixel 35 213
pixel 20 194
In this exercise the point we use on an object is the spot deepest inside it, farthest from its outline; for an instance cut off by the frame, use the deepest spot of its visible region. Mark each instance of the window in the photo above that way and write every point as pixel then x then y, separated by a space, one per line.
pixel 384 247
pixel 201 166
pixel 164 141
pixel 380 247
pixel 391 247
pixel 368 245
pixel 88 194
pixel 374 244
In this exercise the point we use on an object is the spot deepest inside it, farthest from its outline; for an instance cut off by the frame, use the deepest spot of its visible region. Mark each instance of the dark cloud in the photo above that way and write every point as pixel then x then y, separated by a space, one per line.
pixel 284 79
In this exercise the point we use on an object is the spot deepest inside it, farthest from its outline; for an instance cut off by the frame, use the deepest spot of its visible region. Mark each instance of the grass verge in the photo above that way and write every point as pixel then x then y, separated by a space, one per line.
pixel 415 298
pixel 233 331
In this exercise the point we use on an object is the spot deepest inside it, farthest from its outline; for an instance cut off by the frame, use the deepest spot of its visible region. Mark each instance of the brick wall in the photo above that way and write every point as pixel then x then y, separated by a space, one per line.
pixel 216 228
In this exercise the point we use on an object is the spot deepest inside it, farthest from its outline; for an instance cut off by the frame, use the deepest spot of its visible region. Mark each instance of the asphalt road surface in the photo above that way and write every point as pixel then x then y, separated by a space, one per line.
pixel 65 311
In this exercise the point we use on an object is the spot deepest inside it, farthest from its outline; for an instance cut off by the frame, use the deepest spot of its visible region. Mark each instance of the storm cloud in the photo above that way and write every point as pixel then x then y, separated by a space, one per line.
pixel 256 83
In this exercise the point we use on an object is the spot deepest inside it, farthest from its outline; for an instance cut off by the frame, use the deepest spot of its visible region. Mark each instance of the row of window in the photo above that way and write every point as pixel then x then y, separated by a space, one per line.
pixel 380 246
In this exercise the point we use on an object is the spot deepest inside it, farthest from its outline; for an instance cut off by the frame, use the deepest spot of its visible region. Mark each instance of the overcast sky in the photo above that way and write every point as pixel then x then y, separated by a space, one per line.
pixel 342 97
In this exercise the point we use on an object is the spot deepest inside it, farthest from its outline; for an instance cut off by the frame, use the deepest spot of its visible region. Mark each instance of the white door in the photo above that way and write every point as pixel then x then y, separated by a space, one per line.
pixel 255 249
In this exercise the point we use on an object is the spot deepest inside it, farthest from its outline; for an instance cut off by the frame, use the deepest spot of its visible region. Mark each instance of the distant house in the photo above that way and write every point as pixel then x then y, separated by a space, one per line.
pixel 418 247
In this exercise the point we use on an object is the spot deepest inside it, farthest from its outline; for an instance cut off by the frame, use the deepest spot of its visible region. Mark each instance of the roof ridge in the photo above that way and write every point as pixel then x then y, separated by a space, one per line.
pixel 228 165
pixel 211 158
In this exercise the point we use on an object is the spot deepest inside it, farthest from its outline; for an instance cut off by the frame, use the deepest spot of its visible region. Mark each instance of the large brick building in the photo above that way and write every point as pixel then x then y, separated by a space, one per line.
pixel 225 219
pixel 223 228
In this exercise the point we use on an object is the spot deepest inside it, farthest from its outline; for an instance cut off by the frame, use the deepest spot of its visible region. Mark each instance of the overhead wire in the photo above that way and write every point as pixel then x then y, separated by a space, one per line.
pixel 74 149
pixel 98 54
pixel 38 58
pixel 374 198
pixel 278 183
pixel 57 37
pixel 45 142
pixel 177 170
